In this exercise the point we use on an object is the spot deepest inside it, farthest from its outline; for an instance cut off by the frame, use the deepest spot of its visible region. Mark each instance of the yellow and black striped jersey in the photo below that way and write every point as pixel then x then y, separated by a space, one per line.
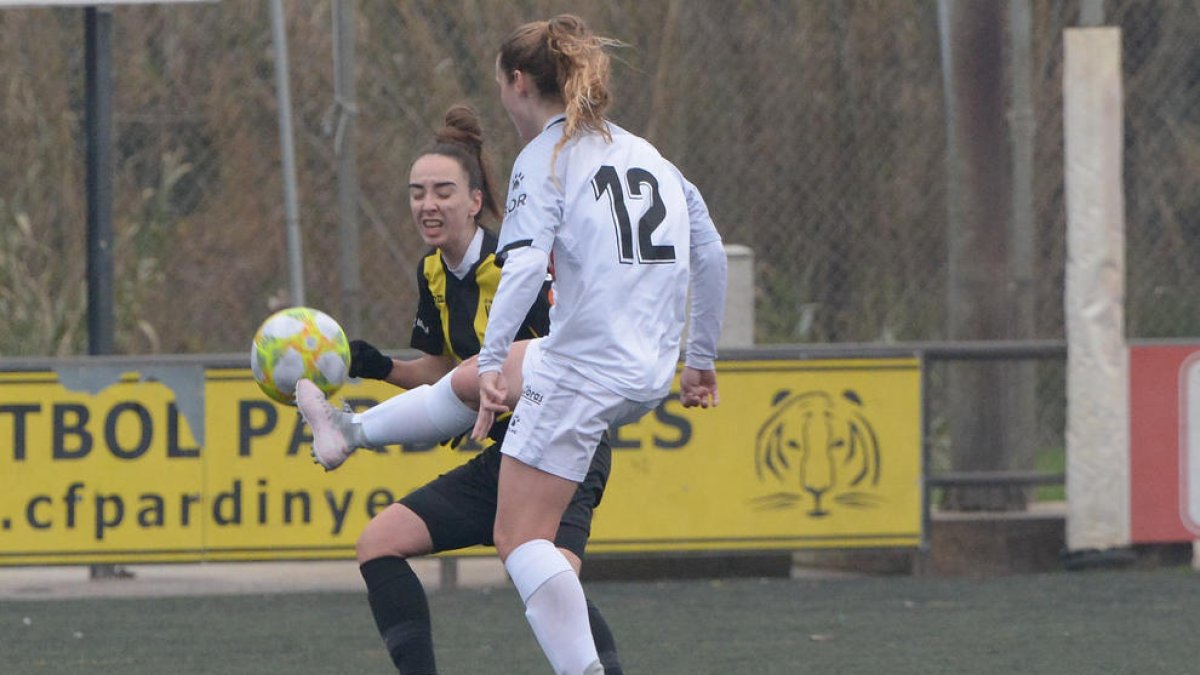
pixel 452 313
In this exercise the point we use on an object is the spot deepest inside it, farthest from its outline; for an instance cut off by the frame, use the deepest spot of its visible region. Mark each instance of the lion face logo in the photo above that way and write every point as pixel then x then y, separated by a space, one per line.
pixel 823 448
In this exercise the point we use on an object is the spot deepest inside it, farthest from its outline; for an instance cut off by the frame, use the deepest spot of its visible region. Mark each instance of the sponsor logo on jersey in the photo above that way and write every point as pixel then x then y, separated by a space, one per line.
pixel 532 395
pixel 516 203
pixel 516 182
pixel 421 325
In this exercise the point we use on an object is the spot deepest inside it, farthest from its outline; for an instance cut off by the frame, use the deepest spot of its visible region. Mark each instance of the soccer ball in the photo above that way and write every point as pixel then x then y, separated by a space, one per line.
pixel 299 342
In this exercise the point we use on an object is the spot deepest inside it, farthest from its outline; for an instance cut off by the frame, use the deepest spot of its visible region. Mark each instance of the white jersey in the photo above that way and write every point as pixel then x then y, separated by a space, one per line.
pixel 618 222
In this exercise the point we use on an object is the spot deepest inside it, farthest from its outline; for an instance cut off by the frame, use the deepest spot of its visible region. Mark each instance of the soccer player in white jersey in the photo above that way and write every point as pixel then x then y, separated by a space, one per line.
pixel 613 216
pixel 626 233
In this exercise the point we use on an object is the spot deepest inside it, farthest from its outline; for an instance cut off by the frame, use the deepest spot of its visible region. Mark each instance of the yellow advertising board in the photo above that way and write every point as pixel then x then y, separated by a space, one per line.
pixel 800 454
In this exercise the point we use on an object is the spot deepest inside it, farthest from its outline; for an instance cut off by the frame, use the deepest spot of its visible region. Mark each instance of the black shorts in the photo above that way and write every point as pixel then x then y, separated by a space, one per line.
pixel 459 507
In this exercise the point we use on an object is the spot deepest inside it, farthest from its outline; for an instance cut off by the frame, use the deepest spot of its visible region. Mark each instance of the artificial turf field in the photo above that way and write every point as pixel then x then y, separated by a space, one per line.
pixel 1128 621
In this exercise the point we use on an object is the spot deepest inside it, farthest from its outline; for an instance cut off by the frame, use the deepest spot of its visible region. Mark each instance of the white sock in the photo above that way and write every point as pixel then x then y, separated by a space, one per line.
pixel 554 605
pixel 422 415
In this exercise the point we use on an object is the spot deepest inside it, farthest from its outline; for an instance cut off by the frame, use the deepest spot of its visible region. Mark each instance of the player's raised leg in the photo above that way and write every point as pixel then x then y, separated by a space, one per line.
pixel 424 414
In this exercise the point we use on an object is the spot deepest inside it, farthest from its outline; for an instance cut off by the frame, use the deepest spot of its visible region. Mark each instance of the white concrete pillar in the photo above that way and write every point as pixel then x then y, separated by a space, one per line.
pixel 738 329
pixel 1097 357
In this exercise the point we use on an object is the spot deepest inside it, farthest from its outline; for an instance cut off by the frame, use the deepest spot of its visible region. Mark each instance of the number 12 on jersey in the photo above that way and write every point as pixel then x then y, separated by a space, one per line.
pixel 608 182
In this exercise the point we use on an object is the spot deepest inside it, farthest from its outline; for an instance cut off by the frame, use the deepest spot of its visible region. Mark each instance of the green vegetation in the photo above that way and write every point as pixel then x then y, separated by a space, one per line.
pixel 1051 460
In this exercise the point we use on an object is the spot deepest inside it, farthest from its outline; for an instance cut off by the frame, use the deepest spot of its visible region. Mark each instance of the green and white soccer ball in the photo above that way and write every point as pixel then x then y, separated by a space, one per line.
pixel 299 342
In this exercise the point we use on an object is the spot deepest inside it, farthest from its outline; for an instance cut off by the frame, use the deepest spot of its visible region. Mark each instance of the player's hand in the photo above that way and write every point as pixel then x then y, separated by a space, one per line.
pixel 698 388
pixel 493 392
pixel 367 361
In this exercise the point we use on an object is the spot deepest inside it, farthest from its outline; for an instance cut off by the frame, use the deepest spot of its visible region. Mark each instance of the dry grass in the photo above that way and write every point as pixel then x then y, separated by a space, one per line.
pixel 814 129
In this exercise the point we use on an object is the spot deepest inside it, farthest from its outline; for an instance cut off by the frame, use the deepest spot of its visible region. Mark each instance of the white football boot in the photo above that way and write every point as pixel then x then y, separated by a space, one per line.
pixel 335 433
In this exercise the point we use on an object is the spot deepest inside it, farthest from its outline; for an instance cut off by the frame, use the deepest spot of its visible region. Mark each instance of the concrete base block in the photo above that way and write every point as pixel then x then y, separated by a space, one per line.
pixel 991 544
pixel 964 544
pixel 979 544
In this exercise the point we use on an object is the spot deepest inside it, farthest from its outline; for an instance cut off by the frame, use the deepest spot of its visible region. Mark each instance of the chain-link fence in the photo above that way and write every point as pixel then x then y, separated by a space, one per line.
pixel 1162 166
pixel 816 131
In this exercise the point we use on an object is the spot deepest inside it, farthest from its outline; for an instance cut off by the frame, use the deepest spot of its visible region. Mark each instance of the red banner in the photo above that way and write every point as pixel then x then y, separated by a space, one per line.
pixel 1164 433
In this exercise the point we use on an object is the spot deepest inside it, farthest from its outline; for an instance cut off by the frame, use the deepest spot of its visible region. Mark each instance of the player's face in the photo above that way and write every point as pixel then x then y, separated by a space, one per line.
pixel 443 203
pixel 515 101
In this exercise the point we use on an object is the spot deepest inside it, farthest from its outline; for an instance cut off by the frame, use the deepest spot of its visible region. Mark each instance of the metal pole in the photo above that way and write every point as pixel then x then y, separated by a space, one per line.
pixel 1091 13
pixel 347 158
pixel 97 38
pixel 283 93
pixel 98 129
pixel 1020 379
pixel 978 194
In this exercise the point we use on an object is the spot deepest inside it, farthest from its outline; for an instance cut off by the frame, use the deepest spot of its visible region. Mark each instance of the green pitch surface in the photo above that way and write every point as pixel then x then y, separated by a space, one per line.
pixel 1070 623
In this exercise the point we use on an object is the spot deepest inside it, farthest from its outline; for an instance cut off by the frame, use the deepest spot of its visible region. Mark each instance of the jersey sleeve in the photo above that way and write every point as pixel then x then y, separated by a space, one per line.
pixel 521 283
pixel 708 280
pixel 534 207
pixel 703 231
pixel 537 322
pixel 427 325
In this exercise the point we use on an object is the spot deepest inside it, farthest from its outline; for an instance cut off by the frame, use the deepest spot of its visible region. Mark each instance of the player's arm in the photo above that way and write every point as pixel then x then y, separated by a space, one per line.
pixel 368 362
pixel 526 239
pixel 698 382
pixel 537 322
pixel 425 369
pixel 521 281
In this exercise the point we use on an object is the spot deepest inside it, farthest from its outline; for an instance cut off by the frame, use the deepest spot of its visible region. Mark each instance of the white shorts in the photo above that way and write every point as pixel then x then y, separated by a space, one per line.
pixel 562 415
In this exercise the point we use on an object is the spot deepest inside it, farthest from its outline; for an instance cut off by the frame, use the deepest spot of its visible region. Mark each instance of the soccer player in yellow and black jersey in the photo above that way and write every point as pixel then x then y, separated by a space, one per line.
pixel 449 189
pixel 452 312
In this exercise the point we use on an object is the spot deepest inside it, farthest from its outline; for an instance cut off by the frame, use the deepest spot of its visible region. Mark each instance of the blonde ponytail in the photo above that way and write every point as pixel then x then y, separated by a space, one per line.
pixel 567 63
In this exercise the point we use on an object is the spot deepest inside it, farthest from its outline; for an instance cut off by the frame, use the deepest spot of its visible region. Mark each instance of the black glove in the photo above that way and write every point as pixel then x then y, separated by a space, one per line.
pixel 367 361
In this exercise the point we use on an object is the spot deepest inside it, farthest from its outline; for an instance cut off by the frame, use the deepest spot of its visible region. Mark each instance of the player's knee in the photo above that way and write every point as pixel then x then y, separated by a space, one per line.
pixel 465 382
pixel 508 538
pixel 574 560
pixel 370 545
pixel 504 541
pixel 389 537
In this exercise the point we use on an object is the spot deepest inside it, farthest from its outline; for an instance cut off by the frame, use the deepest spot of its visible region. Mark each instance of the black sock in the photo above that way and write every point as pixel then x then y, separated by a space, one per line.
pixel 401 613
pixel 606 646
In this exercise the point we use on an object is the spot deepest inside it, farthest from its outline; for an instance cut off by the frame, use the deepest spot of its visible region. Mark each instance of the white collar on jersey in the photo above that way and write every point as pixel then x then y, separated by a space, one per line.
pixel 561 117
pixel 469 258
